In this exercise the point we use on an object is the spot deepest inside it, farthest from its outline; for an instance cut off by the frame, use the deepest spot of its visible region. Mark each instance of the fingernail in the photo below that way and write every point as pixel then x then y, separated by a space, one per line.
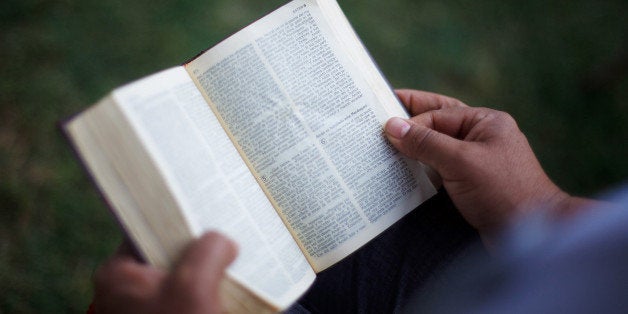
pixel 397 127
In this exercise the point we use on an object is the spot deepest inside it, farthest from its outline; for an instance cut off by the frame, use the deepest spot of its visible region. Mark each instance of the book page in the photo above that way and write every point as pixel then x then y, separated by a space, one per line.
pixel 310 125
pixel 213 185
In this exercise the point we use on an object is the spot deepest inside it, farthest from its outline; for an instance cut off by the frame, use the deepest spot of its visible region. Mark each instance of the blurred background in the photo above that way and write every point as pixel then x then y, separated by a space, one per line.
pixel 559 67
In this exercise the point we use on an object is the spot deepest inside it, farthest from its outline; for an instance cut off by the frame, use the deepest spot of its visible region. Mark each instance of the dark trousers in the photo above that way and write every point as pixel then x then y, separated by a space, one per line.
pixel 384 274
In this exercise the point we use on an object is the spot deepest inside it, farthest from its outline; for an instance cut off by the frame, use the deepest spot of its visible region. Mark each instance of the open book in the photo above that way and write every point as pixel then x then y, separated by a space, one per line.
pixel 273 137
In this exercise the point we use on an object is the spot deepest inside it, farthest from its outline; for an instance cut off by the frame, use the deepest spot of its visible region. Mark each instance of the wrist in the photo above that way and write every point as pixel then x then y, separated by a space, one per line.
pixel 557 205
pixel 573 205
pixel 547 198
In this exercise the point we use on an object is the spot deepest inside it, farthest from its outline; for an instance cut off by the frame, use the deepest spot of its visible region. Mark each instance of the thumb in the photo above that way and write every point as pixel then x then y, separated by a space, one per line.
pixel 422 143
pixel 202 265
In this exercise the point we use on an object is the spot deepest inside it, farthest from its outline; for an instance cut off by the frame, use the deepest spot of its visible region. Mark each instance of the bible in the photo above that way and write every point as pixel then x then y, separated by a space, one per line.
pixel 273 137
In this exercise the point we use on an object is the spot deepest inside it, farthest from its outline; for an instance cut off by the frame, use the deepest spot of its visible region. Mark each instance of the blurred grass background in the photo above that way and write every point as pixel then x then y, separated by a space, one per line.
pixel 559 67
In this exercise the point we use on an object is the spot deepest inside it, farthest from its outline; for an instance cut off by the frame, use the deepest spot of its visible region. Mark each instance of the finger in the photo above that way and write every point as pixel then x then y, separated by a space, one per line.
pixel 123 277
pixel 457 122
pixel 423 143
pixel 202 265
pixel 418 102
pixel 437 137
pixel 121 266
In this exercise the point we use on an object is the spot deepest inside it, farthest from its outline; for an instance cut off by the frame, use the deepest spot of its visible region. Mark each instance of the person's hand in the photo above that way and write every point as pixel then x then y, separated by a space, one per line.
pixel 124 285
pixel 486 163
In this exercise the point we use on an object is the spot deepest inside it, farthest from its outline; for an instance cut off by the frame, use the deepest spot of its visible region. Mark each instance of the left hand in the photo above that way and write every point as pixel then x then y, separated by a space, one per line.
pixel 124 285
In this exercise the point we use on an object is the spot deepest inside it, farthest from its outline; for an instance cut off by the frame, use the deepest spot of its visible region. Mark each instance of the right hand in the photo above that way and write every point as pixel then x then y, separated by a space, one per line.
pixel 486 163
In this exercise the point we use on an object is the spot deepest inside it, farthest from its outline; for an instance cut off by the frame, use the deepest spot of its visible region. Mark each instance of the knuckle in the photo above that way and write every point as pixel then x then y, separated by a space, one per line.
pixel 502 118
pixel 419 139
pixel 454 102
pixel 505 118
pixel 497 120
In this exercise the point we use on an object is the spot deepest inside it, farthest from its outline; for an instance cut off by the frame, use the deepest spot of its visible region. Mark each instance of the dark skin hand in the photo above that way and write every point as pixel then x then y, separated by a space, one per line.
pixel 486 163
pixel 124 285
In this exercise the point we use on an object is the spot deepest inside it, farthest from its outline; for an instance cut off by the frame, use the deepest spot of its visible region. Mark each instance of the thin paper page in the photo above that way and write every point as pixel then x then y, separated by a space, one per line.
pixel 213 184
pixel 312 129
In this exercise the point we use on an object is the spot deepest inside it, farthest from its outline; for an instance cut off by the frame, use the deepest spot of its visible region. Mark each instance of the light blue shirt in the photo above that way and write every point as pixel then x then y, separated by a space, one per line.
pixel 577 265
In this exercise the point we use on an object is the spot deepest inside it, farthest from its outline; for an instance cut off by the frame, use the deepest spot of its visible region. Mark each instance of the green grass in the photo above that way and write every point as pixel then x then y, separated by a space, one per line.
pixel 559 67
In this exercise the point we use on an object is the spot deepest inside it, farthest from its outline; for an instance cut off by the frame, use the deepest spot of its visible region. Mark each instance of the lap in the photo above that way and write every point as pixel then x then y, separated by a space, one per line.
pixel 382 275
